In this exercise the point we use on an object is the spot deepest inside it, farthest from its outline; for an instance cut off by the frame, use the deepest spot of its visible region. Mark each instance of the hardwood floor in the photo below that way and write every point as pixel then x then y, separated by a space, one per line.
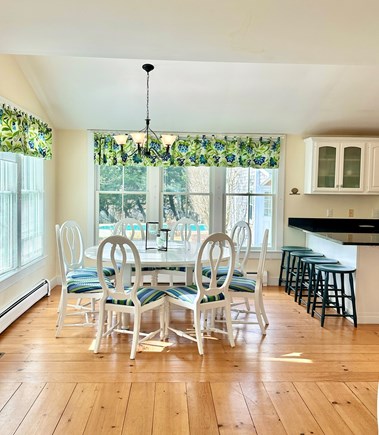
pixel 299 379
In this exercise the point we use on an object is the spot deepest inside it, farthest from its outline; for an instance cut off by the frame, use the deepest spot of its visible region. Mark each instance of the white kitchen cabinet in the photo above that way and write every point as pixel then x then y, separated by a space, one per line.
pixel 373 167
pixel 341 165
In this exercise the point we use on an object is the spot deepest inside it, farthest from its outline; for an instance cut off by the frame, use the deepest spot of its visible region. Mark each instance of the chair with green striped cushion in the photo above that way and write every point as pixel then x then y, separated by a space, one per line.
pixel 252 290
pixel 184 230
pixel 76 291
pixel 120 299
pixel 202 297
pixel 71 240
pixel 241 236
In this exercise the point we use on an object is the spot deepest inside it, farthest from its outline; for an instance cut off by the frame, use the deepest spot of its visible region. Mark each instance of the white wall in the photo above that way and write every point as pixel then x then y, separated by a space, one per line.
pixel 15 88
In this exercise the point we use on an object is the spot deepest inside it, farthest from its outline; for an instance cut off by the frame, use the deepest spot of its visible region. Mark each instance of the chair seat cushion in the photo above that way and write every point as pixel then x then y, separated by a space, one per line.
pixel 144 294
pixel 188 294
pixel 221 271
pixel 89 272
pixel 239 284
pixel 83 285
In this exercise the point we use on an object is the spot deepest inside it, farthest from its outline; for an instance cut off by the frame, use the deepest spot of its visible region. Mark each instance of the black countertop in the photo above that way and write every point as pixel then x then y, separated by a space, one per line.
pixel 344 231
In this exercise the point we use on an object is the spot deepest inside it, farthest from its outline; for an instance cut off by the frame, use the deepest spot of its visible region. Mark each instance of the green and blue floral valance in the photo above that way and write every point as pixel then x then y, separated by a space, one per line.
pixel 201 150
pixel 24 134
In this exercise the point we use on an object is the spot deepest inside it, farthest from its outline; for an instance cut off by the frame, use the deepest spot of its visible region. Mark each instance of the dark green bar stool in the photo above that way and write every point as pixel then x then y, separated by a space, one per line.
pixel 334 295
pixel 308 278
pixel 284 265
pixel 295 268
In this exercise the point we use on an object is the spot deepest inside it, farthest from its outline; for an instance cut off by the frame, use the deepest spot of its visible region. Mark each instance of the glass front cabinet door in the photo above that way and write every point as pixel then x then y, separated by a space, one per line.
pixel 334 166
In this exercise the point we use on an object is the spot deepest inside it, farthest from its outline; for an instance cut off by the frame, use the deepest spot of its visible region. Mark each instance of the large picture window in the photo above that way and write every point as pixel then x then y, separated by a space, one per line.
pixel 216 198
pixel 21 212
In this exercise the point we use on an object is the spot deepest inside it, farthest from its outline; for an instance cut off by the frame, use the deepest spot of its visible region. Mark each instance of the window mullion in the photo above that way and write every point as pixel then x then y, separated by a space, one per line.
pixel 19 208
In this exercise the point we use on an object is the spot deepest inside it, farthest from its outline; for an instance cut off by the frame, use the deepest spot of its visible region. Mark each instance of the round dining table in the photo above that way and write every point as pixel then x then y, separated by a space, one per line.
pixel 178 254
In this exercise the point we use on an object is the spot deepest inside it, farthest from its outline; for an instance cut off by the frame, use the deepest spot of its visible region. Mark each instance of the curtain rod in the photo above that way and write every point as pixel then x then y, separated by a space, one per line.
pixel 182 133
pixel 16 106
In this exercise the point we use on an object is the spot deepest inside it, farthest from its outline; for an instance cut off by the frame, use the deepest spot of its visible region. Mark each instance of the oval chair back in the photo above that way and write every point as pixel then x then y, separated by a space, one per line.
pixel 71 245
pixel 129 227
pixel 213 251
pixel 120 251
pixel 185 228
pixel 241 235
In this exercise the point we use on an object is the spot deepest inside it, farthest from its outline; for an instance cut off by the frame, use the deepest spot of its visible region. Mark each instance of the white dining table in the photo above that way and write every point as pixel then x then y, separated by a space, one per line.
pixel 178 254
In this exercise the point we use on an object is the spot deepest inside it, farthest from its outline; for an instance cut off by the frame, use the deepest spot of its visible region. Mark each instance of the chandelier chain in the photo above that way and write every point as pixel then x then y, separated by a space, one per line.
pixel 147 96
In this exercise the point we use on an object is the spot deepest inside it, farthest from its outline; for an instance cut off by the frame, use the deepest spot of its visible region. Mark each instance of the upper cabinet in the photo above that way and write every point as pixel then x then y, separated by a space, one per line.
pixel 341 165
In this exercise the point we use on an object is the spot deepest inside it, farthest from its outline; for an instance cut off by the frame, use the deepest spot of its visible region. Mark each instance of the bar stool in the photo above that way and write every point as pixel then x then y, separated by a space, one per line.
pixel 295 268
pixel 284 265
pixel 308 278
pixel 323 290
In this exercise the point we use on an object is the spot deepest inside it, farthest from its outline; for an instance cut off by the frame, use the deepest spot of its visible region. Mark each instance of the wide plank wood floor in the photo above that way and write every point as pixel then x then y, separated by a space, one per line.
pixel 299 379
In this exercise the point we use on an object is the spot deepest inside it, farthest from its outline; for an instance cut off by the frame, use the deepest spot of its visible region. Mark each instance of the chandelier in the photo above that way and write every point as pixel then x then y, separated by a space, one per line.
pixel 143 138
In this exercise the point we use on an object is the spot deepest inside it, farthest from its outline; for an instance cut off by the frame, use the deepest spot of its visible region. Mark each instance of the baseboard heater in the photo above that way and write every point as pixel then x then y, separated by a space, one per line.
pixel 17 308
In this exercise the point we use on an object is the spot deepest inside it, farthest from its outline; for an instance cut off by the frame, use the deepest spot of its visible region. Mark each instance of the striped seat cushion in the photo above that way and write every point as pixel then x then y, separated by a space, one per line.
pixel 221 271
pixel 145 296
pixel 83 285
pixel 188 294
pixel 89 272
pixel 239 284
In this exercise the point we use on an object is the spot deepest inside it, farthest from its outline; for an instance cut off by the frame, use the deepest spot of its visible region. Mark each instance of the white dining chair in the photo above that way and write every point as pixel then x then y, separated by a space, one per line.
pixel 76 285
pixel 72 248
pixel 184 230
pixel 252 289
pixel 133 229
pixel 241 236
pixel 201 297
pixel 121 299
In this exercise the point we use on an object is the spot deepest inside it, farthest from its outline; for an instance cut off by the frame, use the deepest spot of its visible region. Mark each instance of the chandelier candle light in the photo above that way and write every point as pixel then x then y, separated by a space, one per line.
pixel 141 138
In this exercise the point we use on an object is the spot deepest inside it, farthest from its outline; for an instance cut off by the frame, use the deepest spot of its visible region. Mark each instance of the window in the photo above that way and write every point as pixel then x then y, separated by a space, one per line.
pixel 186 194
pixel 121 193
pixel 251 195
pixel 21 212
pixel 168 194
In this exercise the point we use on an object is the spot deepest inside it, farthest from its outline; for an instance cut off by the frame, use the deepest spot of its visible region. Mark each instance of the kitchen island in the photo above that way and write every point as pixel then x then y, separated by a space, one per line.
pixel 353 242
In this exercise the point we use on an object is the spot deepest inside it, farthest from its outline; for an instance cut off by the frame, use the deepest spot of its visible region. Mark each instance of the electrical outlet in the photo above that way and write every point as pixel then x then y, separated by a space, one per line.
pixel 351 212
pixel 329 212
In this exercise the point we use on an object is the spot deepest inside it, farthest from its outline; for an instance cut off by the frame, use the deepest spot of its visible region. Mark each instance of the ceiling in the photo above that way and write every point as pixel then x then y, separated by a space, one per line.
pixel 249 66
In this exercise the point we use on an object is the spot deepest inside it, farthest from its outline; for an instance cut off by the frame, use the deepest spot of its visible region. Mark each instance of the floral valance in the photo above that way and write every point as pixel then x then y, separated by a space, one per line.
pixel 201 150
pixel 24 134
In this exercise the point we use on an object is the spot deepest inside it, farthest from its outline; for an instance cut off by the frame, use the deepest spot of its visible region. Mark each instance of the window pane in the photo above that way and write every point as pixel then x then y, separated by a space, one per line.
pixel 110 211
pixel 31 209
pixel 113 207
pixel 260 218
pixel 174 180
pixel 261 181
pixel 174 208
pixel 110 178
pixel 135 206
pixel 237 180
pixel 134 179
pixel 236 210
pixel 8 216
pixel 191 180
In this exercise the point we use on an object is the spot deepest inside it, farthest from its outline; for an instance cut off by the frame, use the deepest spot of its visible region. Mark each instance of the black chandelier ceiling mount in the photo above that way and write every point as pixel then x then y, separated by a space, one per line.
pixel 143 137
